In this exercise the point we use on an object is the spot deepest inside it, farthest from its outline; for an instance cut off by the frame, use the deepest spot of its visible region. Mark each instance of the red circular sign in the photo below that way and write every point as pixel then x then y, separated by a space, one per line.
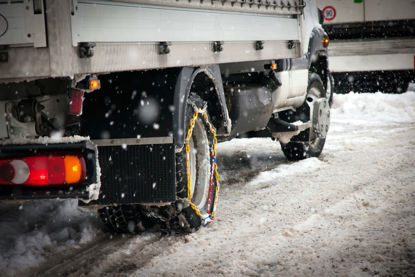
pixel 329 13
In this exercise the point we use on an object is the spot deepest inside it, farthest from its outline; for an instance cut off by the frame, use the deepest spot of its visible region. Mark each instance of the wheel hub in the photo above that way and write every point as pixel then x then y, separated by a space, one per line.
pixel 321 117
pixel 199 165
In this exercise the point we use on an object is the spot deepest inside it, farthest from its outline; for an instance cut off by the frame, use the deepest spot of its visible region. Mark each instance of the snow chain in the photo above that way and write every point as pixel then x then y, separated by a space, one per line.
pixel 214 170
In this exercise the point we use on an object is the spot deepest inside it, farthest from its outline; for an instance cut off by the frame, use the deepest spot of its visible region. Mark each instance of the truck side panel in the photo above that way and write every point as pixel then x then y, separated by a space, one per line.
pixel 189 35
pixel 104 21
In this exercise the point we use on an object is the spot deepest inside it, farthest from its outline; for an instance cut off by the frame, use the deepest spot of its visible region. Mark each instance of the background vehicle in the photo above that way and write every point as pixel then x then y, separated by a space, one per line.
pixel 121 103
pixel 372 44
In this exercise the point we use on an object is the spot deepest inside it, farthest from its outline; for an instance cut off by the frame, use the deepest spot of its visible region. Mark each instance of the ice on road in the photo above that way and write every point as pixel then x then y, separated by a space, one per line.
pixel 350 212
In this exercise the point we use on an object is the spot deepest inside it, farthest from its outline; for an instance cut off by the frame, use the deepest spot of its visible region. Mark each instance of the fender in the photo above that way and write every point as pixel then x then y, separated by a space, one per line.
pixel 315 46
pixel 182 89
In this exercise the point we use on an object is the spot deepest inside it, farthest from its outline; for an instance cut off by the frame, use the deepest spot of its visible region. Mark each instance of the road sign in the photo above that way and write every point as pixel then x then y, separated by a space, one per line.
pixel 329 13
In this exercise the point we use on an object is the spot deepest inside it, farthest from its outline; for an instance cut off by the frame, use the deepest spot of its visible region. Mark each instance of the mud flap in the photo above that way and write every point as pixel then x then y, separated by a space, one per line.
pixel 137 174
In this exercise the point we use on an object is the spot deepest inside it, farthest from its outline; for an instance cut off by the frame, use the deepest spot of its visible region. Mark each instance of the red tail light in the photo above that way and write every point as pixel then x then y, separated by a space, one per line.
pixel 77 99
pixel 57 170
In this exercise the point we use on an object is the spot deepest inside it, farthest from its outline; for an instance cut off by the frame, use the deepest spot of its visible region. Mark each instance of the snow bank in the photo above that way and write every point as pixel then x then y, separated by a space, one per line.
pixel 286 170
pixel 377 107
pixel 32 230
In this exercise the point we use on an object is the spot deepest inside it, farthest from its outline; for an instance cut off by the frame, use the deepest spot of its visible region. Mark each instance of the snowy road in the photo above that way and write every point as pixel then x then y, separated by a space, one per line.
pixel 349 213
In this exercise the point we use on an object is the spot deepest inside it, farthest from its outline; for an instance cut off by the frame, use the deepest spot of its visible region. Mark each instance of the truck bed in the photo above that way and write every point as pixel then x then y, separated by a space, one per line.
pixel 132 35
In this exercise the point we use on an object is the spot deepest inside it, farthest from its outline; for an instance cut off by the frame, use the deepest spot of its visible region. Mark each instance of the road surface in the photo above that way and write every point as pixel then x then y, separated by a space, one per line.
pixel 350 212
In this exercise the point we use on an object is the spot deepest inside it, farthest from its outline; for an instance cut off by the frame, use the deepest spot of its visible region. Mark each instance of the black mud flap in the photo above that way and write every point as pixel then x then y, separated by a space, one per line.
pixel 81 191
pixel 137 174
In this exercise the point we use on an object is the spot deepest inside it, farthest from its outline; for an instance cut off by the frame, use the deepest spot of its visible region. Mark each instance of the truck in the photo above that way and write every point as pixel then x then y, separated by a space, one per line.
pixel 372 44
pixel 120 104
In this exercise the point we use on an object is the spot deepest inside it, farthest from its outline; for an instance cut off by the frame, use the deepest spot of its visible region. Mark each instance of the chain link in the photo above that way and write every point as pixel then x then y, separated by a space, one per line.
pixel 212 129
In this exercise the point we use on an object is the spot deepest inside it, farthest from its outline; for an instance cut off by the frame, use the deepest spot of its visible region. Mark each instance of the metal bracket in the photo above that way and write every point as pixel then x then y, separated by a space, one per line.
pixel 86 49
pixel 164 48
pixel 284 134
pixel 4 57
pixel 259 45
pixel 217 46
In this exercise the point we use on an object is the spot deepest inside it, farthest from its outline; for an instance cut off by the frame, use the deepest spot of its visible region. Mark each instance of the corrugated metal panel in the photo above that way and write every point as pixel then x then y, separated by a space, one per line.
pixel 372 62
pixel 250 6
pixel 371 46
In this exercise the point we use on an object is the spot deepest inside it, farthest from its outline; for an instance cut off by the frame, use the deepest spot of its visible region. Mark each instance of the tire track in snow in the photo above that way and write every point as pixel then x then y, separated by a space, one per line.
pixel 278 229
pixel 80 261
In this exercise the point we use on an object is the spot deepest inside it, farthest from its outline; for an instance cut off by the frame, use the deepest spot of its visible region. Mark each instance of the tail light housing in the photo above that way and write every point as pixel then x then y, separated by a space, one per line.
pixel 43 170
pixel 77 99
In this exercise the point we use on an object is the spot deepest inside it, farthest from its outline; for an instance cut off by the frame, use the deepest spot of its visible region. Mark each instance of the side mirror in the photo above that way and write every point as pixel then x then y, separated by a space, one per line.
pixel 320 16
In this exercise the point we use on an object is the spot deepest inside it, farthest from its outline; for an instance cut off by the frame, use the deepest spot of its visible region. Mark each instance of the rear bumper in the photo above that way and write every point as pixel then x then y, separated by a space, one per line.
pixel 115 174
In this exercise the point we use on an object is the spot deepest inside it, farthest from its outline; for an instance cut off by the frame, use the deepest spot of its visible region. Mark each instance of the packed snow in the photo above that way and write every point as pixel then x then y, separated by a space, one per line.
pixel 349 212
pixel 32 231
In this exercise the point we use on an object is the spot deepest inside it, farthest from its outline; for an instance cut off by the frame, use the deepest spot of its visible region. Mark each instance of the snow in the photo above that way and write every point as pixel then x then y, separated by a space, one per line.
pixel 31 231
pixel 380 108
pixel 349 212
pixel 302 167
pixel 55 138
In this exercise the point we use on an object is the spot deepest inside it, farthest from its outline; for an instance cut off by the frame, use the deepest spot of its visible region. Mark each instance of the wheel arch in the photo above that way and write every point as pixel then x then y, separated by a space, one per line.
pixel 320 66
pixel 318 56
pixel 202 81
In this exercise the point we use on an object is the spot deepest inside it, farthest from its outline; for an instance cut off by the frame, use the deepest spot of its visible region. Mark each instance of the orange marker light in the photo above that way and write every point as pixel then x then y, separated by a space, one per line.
pixel 274 66
pixel 94 84
pixel 325 42
pixel 74 172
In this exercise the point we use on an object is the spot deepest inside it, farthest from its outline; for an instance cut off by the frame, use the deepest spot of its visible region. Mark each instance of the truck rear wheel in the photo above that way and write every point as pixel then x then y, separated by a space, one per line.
pixel 310 143
pixel 199 192
pixel 124 219
pixel 196 185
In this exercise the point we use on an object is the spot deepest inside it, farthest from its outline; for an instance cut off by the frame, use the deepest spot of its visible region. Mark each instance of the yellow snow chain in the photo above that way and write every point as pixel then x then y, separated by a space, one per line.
pixel 212 129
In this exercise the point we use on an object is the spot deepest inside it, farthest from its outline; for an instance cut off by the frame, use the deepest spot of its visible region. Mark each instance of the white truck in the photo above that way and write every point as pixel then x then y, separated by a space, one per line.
pixel 372 44
pixel 120 104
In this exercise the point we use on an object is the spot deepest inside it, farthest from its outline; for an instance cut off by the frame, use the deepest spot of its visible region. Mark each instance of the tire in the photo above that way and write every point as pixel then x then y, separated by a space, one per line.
pixel 124 219
pixel 180 216
pixel 202 194
pixel 330 88
pixel 303 146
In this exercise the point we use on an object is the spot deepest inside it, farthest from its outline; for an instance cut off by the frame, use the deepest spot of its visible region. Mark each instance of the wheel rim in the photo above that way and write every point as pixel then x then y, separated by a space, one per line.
pixel 316 93
pixel 199 165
